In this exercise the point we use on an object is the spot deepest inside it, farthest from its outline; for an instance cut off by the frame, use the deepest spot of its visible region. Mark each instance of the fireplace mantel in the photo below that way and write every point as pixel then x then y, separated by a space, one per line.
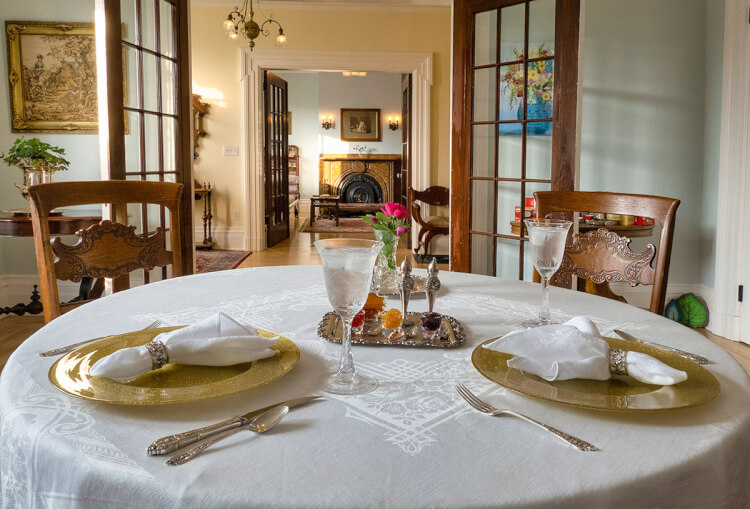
pixel 334 169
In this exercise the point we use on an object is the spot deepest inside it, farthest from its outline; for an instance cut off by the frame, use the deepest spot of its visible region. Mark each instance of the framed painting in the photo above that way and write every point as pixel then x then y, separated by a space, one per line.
pixel 52 76
pixel 360 124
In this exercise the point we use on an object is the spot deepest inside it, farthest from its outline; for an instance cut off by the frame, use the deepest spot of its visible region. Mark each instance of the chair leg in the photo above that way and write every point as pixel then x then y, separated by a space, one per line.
pixel 430 234
pixel 420 241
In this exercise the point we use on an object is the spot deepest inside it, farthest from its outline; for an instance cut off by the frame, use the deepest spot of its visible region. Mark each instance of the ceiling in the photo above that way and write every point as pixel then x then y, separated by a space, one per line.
pixel 298 3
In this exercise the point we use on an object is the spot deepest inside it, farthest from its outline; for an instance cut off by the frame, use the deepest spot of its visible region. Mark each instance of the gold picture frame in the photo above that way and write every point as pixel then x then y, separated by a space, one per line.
pixel 52 77
pixel 361 124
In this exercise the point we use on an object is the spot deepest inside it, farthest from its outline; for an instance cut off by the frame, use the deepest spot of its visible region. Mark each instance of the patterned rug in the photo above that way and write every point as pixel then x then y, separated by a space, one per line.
pixel 346 225
pixel 214 260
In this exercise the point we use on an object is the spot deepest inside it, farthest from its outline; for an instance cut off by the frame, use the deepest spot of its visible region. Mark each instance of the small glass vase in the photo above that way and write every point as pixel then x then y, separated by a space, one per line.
pixel 385 277
pixel 32 177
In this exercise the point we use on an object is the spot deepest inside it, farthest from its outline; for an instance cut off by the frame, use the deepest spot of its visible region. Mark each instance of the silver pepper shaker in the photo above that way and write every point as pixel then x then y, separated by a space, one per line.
pixel 405 286
pixel 432 284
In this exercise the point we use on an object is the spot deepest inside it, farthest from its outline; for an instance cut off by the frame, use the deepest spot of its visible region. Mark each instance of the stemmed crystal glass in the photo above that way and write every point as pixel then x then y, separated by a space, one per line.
pixel 347 266
pixel 547 242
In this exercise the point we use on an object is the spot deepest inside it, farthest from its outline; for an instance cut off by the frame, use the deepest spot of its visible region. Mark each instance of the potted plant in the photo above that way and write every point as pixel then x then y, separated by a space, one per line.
pixel 37 160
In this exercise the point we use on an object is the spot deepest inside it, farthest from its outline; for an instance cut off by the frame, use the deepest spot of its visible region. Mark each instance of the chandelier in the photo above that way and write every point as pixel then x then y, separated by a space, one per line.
pixel 237 23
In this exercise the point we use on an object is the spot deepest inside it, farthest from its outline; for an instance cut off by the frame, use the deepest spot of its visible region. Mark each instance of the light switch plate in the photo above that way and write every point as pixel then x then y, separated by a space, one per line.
pixel 231 150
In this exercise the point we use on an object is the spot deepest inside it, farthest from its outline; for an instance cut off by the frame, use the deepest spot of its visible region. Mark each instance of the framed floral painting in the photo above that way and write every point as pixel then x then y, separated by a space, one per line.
pixel 52 76
pixel 540 76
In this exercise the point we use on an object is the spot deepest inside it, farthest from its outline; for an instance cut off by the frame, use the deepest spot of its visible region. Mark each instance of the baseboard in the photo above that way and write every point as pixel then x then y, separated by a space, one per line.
pixel 304 204
pixel 640 296
pixel 232 238
pixel 15 288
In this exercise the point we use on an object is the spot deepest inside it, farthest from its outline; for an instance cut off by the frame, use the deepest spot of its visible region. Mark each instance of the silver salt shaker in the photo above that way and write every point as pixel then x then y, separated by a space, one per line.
pixel 405 286
pixel 432 284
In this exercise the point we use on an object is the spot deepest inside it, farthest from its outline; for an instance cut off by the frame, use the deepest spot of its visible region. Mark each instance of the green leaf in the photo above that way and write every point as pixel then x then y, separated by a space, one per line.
pixel 672 311
pixel 694 312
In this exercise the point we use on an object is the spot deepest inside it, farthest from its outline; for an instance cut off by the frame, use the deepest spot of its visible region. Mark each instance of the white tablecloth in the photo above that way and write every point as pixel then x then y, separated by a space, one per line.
pixel 411 443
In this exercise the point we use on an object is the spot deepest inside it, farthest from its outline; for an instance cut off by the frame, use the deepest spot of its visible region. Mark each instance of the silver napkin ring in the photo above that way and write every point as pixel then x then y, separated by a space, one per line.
pixel 158 353
pixel 617 364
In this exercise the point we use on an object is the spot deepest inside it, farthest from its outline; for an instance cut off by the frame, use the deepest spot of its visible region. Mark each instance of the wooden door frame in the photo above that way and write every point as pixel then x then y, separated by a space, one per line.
pixel 566 113
pixel 252 66
pixel 730 317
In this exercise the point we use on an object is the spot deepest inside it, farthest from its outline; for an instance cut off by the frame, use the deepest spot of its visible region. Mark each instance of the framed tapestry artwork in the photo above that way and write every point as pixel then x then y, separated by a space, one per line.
pixel 360 124
pixel 52 76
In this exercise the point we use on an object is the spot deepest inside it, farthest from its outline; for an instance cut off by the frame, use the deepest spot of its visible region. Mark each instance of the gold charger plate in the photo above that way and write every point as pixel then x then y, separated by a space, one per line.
pixel 620 393
pixel 174 383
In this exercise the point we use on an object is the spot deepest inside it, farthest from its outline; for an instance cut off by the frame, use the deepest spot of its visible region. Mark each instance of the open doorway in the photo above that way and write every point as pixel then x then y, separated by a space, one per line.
pixel 419 66
pixel 348 145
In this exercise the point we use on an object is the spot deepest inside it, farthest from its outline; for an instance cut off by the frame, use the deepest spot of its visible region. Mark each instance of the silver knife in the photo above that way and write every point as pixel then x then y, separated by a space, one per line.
pixel 171 443
pixel 682 353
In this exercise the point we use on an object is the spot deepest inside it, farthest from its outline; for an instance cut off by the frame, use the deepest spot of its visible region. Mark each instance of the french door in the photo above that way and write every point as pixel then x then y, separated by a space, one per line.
pixel 515 85
pixel 145 89
pixel 276 159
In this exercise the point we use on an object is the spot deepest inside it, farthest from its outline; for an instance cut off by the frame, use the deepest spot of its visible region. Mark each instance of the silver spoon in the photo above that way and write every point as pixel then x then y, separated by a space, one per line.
pixel 260 424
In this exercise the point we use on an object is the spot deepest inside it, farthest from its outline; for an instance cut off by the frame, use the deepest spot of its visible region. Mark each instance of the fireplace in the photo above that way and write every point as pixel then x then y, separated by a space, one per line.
pixel 369 178
pixel 360 188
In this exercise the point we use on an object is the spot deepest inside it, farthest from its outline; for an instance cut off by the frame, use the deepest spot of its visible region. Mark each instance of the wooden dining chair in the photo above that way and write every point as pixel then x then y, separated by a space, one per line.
pixel 599 257
pixel 105 250
pixel 432 225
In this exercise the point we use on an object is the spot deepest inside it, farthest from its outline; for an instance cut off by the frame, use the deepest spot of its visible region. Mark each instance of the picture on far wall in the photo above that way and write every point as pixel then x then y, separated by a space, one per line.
pixel 52 76
pixel 360 124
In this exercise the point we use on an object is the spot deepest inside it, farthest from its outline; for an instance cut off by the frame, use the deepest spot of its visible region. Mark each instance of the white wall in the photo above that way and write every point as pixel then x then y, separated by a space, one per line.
pixel 313 94
pixel 712 136
pixel 376 90
pixel 303 103
pixel 82 150
pixel 645 88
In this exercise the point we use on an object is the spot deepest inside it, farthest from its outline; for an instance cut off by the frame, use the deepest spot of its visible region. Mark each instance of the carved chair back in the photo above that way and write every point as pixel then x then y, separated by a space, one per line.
pixel 433 195
pixel 105 250
pixel 603 256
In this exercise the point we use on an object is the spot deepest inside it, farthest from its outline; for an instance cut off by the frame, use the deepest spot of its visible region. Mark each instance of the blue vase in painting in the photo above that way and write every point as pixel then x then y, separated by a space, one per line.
pixel 539 109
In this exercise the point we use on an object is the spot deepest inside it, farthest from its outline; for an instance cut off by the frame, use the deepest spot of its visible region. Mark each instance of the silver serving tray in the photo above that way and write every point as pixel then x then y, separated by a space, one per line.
pixel 451 333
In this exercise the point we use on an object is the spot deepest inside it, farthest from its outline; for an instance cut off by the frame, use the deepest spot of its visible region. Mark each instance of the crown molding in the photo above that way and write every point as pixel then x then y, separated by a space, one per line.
pixel 363 5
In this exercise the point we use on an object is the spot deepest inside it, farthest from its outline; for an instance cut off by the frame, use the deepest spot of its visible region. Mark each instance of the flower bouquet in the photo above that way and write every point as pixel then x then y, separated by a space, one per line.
pixel 389 224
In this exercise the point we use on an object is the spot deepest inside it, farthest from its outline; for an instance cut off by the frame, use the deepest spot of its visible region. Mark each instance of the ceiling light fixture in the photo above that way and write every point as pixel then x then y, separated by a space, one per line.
pixel 238 22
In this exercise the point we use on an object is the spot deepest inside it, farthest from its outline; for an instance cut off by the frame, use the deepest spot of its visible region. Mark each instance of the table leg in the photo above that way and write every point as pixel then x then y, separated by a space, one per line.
pixel 312 211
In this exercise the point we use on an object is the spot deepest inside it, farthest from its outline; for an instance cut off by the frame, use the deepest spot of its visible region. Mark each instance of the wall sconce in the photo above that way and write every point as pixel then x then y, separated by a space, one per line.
pixel 393 123
pixel 327 123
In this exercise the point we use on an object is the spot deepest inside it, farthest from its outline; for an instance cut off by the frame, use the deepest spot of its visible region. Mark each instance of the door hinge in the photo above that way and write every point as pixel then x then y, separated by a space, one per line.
pixel 740 291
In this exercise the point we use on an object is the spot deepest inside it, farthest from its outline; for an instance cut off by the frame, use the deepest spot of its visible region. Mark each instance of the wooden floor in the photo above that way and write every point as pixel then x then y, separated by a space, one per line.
pixel 297 250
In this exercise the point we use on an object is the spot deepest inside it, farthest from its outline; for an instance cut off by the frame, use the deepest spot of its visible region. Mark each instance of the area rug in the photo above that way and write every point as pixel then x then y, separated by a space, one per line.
pixel 346 225
pixel 214 260
pixel 428 258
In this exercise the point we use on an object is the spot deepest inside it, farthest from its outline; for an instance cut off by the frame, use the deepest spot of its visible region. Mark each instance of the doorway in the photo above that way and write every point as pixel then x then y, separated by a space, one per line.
pixel 254 65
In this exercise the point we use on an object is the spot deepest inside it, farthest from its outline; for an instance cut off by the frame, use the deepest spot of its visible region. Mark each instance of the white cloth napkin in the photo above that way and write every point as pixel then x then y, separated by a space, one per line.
pixel 214 341
pixel 575 349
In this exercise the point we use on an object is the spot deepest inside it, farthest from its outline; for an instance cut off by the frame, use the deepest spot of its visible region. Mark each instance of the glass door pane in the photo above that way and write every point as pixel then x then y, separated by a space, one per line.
pixel 512 79
pixel 150 103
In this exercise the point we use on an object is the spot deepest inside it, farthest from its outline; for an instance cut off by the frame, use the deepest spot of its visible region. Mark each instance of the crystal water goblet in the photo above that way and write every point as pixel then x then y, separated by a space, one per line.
pixel 347 267
pixel 547 242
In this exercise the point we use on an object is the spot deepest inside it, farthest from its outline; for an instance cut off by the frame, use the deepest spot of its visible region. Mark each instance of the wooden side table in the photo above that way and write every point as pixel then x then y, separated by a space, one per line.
pixel 204 193
pixel 320 201
pixel 20 226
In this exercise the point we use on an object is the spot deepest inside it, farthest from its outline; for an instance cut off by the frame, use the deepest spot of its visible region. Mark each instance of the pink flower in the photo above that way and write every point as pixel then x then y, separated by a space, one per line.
pixel 395 210
pixel 401 229
pixel 374 219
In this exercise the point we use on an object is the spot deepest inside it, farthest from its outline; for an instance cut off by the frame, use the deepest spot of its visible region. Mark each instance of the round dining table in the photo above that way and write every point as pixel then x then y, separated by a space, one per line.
pixel 411 443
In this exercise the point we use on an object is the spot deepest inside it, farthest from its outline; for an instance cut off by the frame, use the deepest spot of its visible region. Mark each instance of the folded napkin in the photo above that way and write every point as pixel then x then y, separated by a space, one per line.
pixel 575 349
pixel 215 341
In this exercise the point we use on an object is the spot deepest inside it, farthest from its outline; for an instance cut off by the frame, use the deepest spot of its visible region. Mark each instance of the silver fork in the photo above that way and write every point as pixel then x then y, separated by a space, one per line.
pixel 70 348
pixel 483 407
